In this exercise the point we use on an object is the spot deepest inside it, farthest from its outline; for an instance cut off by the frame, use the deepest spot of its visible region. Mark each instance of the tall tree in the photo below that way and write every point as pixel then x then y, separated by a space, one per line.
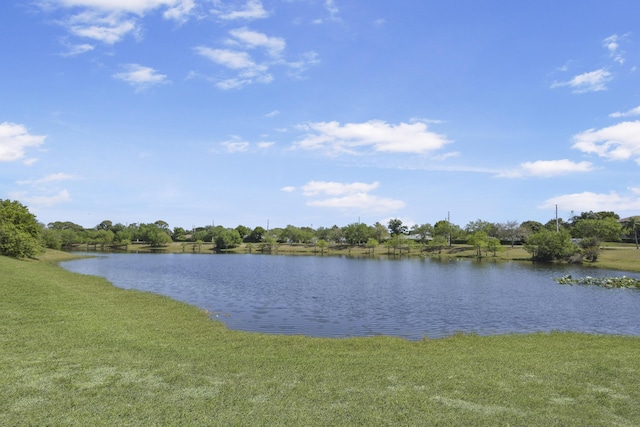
pixel 396 227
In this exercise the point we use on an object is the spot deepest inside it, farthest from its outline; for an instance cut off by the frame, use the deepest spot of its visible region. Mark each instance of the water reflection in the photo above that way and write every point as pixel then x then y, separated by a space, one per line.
pixel 340 296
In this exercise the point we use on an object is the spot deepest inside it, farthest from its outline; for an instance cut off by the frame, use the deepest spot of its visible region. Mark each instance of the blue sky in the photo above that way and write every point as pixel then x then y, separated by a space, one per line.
pixel 319 112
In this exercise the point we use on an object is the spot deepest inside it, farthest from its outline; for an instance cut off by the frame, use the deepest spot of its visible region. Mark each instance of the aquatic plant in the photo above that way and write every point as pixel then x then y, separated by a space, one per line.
pixel 606 282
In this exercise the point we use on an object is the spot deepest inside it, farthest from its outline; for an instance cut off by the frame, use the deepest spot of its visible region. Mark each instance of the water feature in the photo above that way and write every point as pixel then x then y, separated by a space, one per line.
pixel 341 296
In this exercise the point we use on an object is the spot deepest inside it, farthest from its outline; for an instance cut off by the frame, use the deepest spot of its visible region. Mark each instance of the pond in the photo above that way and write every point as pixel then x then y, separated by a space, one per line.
pixel 343 297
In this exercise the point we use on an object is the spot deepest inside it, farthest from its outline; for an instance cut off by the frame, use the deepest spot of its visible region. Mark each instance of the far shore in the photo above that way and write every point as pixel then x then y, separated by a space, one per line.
pixel 614 256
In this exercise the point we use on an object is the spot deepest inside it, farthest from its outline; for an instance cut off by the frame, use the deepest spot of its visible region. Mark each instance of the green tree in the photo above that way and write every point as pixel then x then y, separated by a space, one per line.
pixel 228 238
pixel 268 244
pixel 607 229
pixel 547 245
pixel 479 240
pixel 51 239
pixel 154 235
pixel 530 227
pixel 178 234
pixel 372 244
pixel 438 242
pixel 243 231
pixel 19 231
pixel 448 230
pixel 256 234
pixel 396 227
pixel 423 232
pixel 380 232
pixel 494 245
pixel 356 233
pixel 395 242
pixel 322 244
pixel 479 225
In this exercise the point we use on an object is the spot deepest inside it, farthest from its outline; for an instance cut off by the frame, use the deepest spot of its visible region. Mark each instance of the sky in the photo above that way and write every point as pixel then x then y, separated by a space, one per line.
pixel 319 112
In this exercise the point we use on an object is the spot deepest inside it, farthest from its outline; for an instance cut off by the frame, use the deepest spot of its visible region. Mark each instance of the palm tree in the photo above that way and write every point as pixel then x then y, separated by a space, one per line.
pixel 632 224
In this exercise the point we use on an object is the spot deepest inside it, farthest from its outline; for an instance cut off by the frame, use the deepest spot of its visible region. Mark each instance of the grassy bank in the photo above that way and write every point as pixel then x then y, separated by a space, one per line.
pixel 75 350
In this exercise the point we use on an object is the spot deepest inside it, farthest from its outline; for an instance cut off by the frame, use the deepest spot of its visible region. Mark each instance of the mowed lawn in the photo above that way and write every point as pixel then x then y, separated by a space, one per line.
pixel 74 350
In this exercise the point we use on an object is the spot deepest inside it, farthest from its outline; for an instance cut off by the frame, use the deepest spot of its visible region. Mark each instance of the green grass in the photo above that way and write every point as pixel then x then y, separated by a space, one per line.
pixel 74 350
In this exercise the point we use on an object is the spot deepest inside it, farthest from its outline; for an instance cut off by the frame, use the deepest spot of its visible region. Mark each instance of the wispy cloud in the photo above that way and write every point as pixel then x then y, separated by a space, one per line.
pixel 347 196
pixel 372 136
pixel 547 169
pixel 141 77
pixel 78 49
pixel 589 201
pixel 617 142
pixel 235 146
pixel 109 21
pixel 56 177
pixel 592 81
pixel 314 188
pixel 252 39
pixel 14 140
pixel 629 113
pixel 236 57
pixel 61 196
pixel 332 8
pixel 253 9
pixel 612 44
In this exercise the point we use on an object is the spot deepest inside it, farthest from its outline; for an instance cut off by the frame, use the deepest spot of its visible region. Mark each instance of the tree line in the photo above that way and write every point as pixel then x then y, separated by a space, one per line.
pixel 21 235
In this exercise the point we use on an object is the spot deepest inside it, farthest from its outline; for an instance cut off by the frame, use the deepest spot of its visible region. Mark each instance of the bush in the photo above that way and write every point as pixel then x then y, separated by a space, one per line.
pixel 19 231
pixel 546 245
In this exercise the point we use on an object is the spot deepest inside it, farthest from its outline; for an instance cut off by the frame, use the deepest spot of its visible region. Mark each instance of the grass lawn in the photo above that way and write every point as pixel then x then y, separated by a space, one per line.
pixel 74 350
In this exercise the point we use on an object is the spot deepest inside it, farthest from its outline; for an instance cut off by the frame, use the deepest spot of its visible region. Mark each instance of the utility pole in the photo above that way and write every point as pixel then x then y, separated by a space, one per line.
pixel 557 225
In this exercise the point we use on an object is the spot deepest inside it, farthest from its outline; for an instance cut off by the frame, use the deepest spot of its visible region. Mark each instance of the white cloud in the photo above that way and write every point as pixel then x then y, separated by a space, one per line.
pixel 629 113
pixel 141 77
pixel 347 196
pixel 304 62
pixel 108 29
pixel 592 81
pixel 14 139
pixel 253 9
pixel 43 201
pixel 332 8
pixel 314 188
pixel 229 58
pixel 612 44
pixel 272 114
pixel 547 168
pixel 588 201
pixel 374 135
pixel 138 7
pixel 56 177
pixel 78 49
pixel 617 142
pixel 235 146
pixel 248 71
pixel 360 201
pixel 109 21
pixel 288 189
pixel 252 39
pixel 265 144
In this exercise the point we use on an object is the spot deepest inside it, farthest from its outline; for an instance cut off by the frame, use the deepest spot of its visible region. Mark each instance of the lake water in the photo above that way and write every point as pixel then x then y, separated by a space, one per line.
pixel 343 297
